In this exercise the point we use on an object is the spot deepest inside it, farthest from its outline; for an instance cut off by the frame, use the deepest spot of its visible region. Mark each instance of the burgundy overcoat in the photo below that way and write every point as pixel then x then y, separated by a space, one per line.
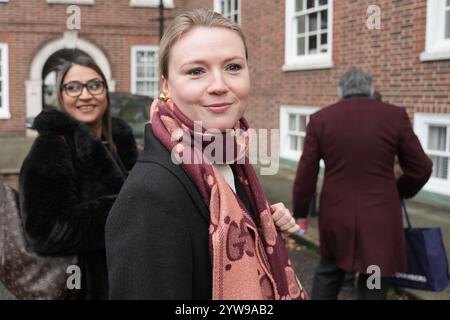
pixel 360 221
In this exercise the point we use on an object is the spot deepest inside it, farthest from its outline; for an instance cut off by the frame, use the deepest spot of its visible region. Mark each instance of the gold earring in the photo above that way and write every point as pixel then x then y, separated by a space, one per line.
pixel 164 96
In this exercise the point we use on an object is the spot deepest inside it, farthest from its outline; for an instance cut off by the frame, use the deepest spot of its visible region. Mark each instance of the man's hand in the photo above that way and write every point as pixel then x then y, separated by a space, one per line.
pixel 283 218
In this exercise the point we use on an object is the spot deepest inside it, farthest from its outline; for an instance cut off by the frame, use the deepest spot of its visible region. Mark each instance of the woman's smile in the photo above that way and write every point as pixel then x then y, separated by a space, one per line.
pixel 86 108
pixel 219 107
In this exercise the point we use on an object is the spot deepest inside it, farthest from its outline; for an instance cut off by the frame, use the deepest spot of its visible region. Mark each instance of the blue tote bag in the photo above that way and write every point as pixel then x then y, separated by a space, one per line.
pixel 427 259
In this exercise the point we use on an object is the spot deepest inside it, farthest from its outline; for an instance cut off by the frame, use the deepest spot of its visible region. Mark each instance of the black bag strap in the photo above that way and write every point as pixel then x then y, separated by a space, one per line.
pixel 405 212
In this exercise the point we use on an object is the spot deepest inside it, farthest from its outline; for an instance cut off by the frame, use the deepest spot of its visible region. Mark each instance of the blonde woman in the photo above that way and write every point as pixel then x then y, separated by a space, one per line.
pixel 187 229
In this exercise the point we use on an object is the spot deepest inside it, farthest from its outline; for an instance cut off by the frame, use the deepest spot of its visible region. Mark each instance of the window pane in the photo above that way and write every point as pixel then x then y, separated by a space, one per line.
pixel 447 24
pixel 152 72
pixel 302 123
pixel 293 143
pixel 440 167
pixel 302 143
pixel 313 21
pixel 312 44
pixel 139 56
pixel 298 5
pixel 324 20
pixel 323 39
pixel 139 87
pixel 230 9
pixel 140 72
pixel 301 24
pixel 147 82
pixel 448 3
pixel 142 57
pixel 292 122
pixel 310 4
pixel 152 88
pixel 437 138
pixel 325 2
pixel 301 46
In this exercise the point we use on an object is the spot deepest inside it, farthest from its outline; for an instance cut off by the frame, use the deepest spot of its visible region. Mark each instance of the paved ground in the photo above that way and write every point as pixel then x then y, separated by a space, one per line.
pixel 304 254
pixel 278 188
pixel 4 294
pixel 305 261
pixel 13 151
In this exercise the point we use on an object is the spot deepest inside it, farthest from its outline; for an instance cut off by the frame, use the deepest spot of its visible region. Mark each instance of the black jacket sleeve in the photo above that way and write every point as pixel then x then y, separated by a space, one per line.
pixel 148 244
pixel 416 165
pixel 55 222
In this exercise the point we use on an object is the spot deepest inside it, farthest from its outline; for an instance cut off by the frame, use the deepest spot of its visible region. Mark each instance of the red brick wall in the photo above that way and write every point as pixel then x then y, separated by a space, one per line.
pixel 113 26
pixel 391 55
pixel 192 4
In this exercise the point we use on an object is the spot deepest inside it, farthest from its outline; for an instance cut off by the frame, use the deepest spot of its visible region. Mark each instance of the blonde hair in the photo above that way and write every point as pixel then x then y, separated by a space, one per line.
pixel 186 21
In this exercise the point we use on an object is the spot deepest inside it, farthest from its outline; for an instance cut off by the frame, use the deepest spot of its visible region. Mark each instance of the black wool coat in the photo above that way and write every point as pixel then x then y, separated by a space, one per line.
pixel 68 183
pixel 157 232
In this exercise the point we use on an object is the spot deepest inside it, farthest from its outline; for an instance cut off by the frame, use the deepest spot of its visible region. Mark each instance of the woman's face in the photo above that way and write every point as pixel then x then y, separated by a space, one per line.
pixel 208 76
pixel 86 108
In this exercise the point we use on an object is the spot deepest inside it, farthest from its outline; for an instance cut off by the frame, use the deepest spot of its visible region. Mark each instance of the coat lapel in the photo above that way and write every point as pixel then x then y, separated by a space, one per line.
pixel 96 159
pixel 155 152
pixel 89 154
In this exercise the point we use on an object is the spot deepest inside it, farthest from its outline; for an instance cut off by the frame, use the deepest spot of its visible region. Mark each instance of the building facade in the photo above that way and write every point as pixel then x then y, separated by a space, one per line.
pixel 298 49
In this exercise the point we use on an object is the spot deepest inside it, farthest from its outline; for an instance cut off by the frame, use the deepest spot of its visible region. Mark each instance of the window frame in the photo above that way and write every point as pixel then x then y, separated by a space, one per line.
pixel 168 4
pixel 4 76
pixel 436 46
pixel 134 50
pixel 217 8
pixel 285 111
pixel 72 2
pixel 421 123
pixel 293 62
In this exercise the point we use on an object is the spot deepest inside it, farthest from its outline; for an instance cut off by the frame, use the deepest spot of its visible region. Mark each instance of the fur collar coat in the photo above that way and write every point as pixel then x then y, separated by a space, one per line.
pixel 68 184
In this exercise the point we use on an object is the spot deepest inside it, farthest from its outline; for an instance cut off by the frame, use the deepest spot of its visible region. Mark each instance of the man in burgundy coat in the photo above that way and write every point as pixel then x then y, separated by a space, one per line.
pixel 360 219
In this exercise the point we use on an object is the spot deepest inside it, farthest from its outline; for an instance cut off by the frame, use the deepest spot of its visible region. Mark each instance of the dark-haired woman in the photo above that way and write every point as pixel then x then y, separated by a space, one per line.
pixel 73 172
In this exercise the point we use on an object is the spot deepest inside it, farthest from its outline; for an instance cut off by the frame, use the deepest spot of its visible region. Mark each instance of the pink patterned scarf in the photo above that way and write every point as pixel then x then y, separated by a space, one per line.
pixel 249 258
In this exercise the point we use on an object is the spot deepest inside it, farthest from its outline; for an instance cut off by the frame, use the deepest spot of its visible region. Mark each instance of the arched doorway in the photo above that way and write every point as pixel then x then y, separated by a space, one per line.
pixel 43 61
